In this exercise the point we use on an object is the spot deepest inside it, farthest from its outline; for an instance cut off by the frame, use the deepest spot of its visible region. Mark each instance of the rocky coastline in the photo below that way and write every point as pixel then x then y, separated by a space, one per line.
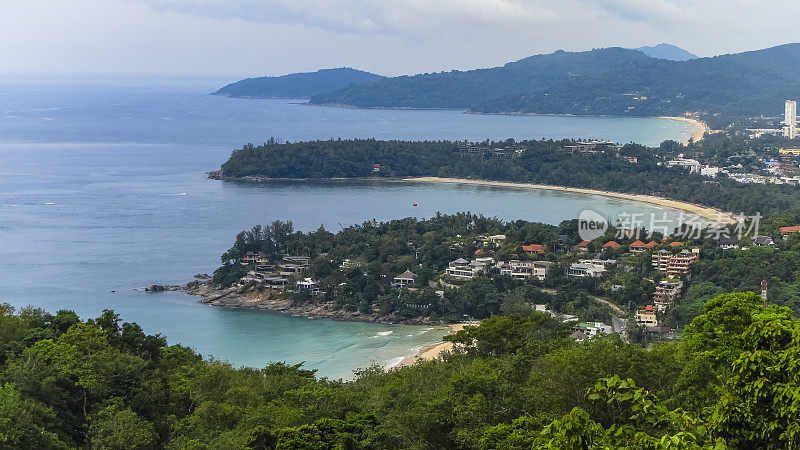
pixel 232 297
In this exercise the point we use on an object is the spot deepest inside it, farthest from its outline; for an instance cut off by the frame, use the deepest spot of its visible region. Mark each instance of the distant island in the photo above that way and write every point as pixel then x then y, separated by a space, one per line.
pixel 297 85
pixel 662 80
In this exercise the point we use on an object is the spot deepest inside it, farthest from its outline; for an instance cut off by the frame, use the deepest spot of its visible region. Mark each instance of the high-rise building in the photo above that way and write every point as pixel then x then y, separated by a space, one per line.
pixel 790 119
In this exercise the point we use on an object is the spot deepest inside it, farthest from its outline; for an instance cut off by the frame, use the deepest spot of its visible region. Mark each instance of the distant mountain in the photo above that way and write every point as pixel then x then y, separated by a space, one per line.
pixel 297 85
pixel 667 51
pixel 457 89
pixel 612 81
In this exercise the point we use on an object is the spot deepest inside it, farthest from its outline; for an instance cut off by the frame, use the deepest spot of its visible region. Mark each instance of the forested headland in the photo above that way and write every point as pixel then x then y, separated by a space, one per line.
pixel 605 81
pixel 541 162
pixel 514 382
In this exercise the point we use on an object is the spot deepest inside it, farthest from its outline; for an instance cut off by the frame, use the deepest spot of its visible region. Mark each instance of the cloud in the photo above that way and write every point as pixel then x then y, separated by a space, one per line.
pixel 391 37
pixel 404 17
pixel 662 13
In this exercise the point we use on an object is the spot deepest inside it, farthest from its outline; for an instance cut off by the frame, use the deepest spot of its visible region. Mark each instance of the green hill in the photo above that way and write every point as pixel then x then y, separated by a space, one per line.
pixel 613 81
pixel 297 85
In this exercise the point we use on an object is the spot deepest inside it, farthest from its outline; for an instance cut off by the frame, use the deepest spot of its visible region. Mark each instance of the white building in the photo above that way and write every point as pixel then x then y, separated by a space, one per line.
pixel 405 279
pixel 525 269
pixel 462 269
pixel 586 269
pixel 709 171
pixel 309 285
pixel 496 240
pixel 790 119
pixel 692 164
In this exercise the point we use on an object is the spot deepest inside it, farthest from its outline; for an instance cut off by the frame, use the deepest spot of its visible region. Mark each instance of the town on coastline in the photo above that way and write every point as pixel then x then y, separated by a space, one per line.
pixel 643 285
pixel 616 283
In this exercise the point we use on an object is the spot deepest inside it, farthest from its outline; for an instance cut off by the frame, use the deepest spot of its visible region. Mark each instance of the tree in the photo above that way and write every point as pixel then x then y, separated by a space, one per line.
pixel 115 427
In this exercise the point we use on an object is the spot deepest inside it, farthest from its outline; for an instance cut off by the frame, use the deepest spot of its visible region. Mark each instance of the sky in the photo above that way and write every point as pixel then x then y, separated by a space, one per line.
pixel 389 37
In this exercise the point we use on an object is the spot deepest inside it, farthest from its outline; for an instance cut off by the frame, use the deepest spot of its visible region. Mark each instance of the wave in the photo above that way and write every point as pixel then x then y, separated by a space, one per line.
pixel 384 333
pixel 394 362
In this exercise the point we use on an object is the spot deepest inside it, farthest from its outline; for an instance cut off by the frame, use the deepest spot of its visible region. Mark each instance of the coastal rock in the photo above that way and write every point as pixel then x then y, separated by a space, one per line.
pixel 162 288
pixel 232 297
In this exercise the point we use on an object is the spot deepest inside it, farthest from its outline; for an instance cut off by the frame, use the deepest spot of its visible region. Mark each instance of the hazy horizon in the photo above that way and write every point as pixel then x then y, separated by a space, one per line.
pixel 243 38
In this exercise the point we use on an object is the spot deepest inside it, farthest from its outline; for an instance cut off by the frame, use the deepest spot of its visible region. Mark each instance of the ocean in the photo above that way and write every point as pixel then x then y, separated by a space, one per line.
pixel 102 191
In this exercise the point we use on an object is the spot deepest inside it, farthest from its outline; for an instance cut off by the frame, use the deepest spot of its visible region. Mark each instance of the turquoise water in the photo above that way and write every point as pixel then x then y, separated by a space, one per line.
pixel 102 189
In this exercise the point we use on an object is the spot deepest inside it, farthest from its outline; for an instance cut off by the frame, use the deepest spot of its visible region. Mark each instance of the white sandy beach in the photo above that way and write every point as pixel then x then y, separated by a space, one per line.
pixel 700 127
pixel 434 351
pixel 702 211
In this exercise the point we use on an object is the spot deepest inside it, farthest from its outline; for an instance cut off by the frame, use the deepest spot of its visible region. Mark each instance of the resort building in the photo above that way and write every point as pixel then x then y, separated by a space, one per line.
pixel 525 269
pixel 765 241
pixel 675 265
pixel 590 267
pixel 250 258
pixel 496 240
pixel 582 247
pixel 692 164
pixel 462 269
pixel 641 247
pixel 592 328
pixel 308 285
pixel 666 293
pixel 786 231
pixel 270 280
pixel 611 245
pixel 405 279
pixel 646 317
pixel 728 242
pixel 293 265
pixel 348 264
pixel 590 147
pixel 533 249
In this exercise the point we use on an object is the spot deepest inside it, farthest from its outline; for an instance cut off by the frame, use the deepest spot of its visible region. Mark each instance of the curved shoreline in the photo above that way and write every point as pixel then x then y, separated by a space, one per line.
pixel 702 211
pixel 432 352
pixel 700 127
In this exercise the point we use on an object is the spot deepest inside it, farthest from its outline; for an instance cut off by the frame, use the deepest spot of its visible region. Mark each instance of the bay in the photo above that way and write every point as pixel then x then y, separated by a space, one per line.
pixel 102 189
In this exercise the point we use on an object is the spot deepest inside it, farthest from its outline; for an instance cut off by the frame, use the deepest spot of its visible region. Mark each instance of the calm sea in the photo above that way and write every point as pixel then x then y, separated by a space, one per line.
pixel 102 189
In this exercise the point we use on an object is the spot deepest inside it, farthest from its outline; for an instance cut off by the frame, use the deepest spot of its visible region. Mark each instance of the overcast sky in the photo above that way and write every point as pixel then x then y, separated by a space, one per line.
pixel 390 37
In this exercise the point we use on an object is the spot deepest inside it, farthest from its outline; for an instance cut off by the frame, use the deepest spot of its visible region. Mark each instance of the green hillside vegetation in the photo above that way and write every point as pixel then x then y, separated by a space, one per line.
pixel 611 81
pixel 543 162
pixel 515 382
pixel 297 85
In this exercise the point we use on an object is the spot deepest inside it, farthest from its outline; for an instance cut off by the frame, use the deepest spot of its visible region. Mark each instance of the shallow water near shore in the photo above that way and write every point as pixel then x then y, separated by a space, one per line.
pixel 102 189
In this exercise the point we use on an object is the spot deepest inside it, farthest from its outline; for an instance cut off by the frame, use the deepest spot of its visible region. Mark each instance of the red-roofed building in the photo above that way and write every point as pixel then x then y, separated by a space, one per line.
pixel 647 317
pixel 533 248
pixel 612 245
pixel 376 167
pixel 786 231
pixel 638 247
pixel 583 246
pixel 676 244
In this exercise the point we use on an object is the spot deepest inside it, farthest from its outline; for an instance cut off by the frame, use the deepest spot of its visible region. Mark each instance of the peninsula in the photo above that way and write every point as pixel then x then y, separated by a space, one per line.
pixel 704 176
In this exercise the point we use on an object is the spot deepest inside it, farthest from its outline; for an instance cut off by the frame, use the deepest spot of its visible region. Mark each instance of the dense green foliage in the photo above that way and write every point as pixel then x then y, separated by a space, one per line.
pixel 516 382
pixel 543 162
pixel 381 250
pixel 297 85
pixel 611 81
